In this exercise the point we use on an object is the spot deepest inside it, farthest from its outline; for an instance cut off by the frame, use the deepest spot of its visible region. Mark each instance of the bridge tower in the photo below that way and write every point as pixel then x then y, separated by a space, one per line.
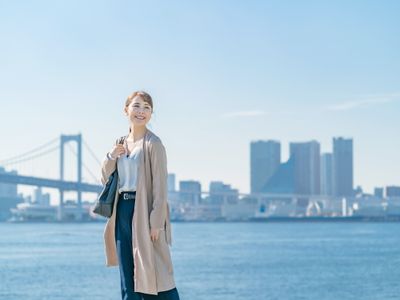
pixel 65 139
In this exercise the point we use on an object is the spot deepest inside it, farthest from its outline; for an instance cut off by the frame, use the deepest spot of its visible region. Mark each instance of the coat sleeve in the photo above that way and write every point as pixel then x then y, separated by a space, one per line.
pixel 107 167
pixel 158 161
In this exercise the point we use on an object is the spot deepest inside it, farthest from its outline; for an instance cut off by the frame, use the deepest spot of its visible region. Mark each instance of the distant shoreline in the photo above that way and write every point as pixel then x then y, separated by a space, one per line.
pixel 330 219
pixel 319 219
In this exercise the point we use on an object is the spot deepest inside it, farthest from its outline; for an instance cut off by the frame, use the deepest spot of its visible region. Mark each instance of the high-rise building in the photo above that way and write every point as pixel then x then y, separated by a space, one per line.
pixel 282 181
pixel 393 191
pixel 378 192
pixel 306 157
pixel 265 158
pixel 9 197
pixel 190 191
pixel 40 197
pixel 327 174
pixel 221 193
pixel 171 182
pixel 342 167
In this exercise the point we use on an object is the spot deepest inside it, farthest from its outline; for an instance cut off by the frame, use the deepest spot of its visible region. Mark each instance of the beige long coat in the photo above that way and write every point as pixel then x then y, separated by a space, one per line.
pixel 153 270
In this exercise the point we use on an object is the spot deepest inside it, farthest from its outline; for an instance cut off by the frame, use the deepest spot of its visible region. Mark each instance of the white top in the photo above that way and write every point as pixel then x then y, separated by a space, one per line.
pixel 128 167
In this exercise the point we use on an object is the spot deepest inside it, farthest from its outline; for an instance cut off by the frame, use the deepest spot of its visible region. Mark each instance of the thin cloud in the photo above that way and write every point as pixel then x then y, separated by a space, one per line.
pixel 363 101
pixel 244 113
pixel 368 101
pixel 255 113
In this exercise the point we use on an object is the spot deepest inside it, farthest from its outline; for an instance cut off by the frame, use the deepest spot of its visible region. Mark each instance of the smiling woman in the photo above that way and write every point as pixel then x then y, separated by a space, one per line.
pixel 138 232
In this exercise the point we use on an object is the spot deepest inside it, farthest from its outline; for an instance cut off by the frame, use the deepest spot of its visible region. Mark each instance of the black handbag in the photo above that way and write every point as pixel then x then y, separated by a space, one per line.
pixel 105 202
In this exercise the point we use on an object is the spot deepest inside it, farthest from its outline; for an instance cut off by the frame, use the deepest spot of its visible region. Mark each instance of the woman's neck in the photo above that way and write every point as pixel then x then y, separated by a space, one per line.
pixel 137 132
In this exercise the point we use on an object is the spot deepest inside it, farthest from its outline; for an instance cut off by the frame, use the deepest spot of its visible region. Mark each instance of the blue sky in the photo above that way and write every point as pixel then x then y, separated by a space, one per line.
pixel 221 73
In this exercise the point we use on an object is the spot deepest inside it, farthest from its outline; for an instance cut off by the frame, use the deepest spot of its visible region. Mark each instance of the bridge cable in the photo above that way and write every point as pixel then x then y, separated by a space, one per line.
pixel 91 152
pixel 29 157
pixel 83 164
pixel 6 161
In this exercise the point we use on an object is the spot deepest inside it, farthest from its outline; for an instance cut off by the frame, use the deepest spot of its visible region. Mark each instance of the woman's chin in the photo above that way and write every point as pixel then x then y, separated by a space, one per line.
pixel 139 123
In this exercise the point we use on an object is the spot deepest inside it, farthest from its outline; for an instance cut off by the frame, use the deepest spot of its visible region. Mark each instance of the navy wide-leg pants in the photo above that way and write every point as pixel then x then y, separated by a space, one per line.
pixel 123 239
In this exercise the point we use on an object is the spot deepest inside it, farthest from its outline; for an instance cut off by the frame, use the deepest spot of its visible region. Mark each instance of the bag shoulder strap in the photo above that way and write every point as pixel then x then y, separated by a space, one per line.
pixel 121 139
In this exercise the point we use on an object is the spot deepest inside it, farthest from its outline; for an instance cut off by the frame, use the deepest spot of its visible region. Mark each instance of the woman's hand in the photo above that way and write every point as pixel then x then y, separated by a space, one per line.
pixel 154 234
pixel 117 150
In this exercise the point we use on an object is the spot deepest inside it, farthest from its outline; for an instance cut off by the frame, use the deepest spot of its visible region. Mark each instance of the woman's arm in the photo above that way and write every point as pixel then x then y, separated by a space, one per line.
pixel 159 171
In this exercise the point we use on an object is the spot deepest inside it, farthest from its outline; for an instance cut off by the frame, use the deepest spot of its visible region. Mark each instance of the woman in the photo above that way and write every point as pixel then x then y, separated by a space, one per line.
pixel 137 234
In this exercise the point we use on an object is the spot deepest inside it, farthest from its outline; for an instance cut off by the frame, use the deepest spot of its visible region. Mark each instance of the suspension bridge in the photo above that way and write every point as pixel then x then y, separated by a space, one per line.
pixel 55 145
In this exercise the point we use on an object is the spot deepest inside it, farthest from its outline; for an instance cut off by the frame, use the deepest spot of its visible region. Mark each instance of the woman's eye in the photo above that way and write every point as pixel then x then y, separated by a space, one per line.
pixel 145 108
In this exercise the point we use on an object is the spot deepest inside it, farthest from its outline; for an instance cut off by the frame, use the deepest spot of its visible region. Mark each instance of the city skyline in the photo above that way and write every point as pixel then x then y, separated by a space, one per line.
pixel 331 171
pixel 307 171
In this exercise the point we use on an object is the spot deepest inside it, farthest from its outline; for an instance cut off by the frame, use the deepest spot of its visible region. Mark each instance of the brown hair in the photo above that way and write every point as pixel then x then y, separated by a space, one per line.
pixel 142 94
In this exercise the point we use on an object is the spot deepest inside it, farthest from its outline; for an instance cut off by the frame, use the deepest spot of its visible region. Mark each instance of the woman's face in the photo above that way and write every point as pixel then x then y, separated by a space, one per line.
pixel 138 111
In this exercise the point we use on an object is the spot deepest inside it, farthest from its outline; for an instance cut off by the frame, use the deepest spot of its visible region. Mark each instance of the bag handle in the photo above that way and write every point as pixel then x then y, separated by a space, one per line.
pixel 121 140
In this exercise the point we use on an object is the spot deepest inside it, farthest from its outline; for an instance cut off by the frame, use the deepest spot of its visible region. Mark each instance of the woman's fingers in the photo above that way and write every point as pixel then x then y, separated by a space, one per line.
pixel 118 150
pixel 154 235
pixel 121 149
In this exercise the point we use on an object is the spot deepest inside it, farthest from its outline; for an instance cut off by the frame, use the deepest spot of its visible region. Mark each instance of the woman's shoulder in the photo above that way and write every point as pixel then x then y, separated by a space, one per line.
pixel 153 138
pixel 155 145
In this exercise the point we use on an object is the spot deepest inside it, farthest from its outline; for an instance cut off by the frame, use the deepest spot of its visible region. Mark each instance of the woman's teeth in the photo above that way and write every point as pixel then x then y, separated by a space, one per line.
pixel 140 118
